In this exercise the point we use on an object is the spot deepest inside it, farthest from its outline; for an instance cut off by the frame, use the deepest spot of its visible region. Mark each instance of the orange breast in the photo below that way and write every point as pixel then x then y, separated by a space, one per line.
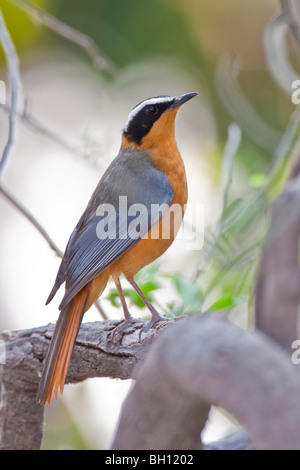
pixel 167 159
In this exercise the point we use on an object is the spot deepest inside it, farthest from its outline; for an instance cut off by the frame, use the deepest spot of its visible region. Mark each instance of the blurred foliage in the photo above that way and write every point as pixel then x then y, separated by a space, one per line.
pixel 198 36
pixel 20 26
pixel 148 282
pixel 227 265
pixel 194 34
pixel 223 46
pixel 134 30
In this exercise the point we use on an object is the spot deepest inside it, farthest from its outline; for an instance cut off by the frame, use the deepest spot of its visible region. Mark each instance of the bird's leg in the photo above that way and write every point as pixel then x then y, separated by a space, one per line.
pixel 127 315
pixel 154 313
pixel 128 318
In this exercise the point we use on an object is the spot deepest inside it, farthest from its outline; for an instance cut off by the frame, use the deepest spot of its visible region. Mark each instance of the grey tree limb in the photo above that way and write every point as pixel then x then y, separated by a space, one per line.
pixel 208 360
pixel 238 440
pixel 95 355
pixel 194 363
pixel 278 279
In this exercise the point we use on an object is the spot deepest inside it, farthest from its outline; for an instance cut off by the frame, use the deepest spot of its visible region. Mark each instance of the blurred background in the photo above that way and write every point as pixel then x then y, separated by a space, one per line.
pixel 72 114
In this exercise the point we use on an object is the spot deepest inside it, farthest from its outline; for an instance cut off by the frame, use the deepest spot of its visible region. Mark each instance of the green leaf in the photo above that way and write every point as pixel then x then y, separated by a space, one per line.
pixel 113 297
pixel 149 273
pixel 147 288
pixel 226 302
pixel 134 298
pixel 257 180
pixel 189 291
pixel 175 309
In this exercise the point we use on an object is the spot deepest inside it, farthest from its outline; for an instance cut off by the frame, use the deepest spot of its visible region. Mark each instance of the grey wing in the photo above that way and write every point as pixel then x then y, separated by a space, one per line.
pixel 62 271
pixel 101 239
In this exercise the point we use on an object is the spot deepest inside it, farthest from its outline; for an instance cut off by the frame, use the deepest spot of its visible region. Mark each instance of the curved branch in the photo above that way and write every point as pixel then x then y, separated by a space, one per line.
pixel 94 355
pixel 278 280
pixel 214 362
pixel 177 380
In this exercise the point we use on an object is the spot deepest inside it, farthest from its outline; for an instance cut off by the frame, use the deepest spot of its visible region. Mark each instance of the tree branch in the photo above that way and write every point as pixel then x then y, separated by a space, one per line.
pixel 35 125
pixel 14 78
pixel 13 67
pixel 291 11
pixel 230 150
pixel 30 217
pixel 214 362
pixel 68 32
pixel 238 440
pixel 278 280
pixel 95 355
pixel 275 42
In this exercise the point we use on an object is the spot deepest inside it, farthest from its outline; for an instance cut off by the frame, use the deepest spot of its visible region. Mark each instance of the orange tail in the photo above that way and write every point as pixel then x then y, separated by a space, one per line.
pixel 61 346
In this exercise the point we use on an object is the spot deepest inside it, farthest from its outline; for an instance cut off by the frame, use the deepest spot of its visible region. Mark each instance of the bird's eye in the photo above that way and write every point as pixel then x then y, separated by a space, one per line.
pixel 151 109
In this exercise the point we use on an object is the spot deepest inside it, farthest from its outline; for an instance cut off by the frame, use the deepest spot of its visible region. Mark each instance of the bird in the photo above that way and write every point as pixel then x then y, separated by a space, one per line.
pixel 120 230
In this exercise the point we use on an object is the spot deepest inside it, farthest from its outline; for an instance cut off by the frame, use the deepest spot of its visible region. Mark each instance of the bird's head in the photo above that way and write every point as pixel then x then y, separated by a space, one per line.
pixel 152 121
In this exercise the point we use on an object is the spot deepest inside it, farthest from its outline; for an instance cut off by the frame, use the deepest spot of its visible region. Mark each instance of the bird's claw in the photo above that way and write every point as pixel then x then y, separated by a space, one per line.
pixel 126 327
pixel 155 319
pixel 130 324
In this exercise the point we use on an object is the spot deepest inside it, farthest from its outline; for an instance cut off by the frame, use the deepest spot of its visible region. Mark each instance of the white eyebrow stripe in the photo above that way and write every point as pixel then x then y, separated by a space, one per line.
pixel 136 110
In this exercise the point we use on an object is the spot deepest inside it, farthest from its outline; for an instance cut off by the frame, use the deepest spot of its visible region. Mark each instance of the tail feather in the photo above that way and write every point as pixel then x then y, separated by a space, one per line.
pixel 61 347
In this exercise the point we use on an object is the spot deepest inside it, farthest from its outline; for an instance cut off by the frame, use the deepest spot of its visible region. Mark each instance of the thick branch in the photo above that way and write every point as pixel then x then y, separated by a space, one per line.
pixel 204 360
pixel 238 440
pixel 278 279
pixel 95 355
pixel 214 362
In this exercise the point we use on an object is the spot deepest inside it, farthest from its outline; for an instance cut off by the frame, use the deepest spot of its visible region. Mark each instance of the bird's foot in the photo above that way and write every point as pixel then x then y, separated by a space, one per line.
pixel 127 326
pixel 155 319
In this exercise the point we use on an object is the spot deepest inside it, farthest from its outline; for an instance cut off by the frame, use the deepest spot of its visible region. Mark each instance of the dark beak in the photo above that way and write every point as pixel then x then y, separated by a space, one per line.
pixel 179 100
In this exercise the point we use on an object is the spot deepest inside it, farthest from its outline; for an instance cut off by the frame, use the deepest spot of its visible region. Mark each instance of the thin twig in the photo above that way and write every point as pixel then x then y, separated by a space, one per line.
pixel 21 208
pixel 275 42
pixel 100 309
pixel 14 78
pixel 24 211
pixel 231 147
pixel 291 11
pixel 240 108
pixel 35 125
pixel 284 156
pixel 68 32
pixel 230 150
